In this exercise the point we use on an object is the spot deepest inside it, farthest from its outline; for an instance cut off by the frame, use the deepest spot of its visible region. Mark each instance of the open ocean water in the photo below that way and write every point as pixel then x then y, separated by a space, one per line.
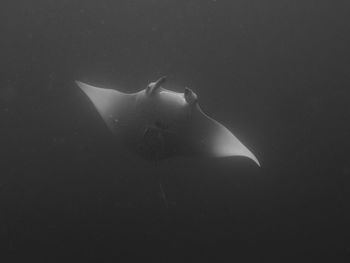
pixel 276 73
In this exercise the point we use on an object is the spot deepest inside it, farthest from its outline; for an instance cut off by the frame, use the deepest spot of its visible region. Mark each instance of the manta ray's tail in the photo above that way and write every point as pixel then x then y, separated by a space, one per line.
pixel 163 195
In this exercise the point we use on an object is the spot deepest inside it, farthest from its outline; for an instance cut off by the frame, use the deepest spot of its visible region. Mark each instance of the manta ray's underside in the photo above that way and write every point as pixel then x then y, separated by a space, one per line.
pixel 158 123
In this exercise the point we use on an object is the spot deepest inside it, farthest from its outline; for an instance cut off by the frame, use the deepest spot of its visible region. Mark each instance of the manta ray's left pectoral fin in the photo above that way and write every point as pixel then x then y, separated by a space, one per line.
pixel 110 104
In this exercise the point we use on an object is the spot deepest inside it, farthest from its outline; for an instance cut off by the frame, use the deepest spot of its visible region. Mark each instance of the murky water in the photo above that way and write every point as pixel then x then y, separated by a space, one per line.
pixel 276 73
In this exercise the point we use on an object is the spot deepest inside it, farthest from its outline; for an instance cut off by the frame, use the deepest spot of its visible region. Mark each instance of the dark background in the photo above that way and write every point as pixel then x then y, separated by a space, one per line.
pixel 276 73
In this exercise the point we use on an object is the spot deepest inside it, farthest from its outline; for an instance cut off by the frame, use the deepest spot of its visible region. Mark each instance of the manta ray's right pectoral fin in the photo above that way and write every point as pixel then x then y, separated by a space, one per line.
pixel 110 104
pixel 216 140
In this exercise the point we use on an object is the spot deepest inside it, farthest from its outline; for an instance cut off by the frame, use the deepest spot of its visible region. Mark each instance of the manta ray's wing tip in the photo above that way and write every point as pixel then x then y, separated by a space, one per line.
pixel 232 147
pixel 80 84
pixel 255 160
pixel 244 151
pixel 89 90
pixel 248 154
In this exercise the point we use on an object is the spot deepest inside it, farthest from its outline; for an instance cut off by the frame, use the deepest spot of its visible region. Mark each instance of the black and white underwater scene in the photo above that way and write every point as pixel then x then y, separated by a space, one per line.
pixel 174 130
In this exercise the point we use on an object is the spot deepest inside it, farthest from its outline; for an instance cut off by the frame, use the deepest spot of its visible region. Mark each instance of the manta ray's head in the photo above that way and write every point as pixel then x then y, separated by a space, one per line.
pixel 190 97
pixel 154 86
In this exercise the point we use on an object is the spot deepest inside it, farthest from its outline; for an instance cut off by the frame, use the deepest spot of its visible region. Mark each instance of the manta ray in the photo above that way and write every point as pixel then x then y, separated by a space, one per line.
pixel 157 123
